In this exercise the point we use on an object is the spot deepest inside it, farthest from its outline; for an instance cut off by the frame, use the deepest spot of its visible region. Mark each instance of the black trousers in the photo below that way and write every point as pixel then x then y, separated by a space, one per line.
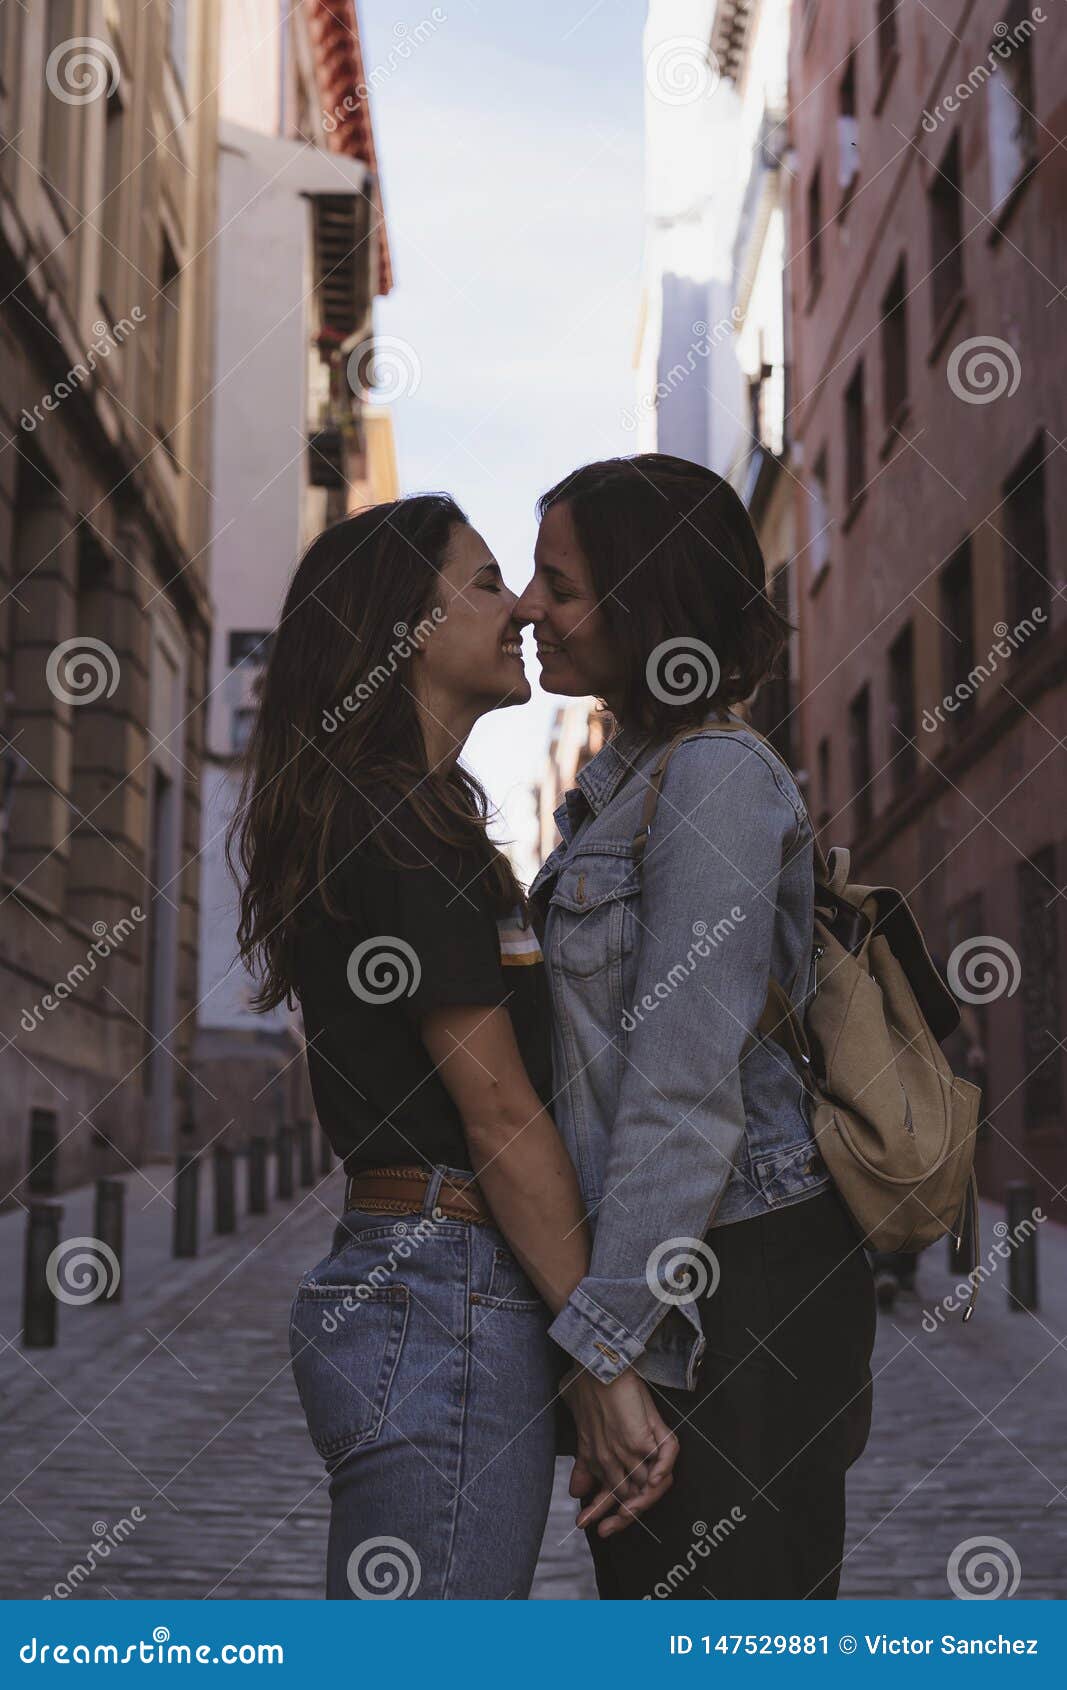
pixel 781 1410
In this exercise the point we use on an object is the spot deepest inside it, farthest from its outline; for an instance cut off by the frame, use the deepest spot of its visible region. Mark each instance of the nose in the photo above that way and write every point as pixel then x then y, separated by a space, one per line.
pixel 528 606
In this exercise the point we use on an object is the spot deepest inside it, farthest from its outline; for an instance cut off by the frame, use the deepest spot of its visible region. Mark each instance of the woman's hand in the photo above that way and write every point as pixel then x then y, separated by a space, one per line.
pixel 624 1443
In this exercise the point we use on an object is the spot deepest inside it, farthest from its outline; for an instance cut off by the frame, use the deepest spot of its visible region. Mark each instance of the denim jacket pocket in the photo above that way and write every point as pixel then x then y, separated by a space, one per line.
pixel 594 900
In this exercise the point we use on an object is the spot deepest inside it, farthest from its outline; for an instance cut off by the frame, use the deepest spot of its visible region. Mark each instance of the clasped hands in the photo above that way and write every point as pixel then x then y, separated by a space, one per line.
pixel 624 1447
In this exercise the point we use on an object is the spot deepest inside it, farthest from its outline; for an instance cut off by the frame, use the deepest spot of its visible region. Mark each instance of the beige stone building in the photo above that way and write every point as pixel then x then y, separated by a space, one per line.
pixel 107 213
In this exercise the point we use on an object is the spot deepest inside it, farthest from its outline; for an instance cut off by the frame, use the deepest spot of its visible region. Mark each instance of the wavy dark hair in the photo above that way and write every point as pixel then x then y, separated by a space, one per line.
pixel 673 558
pixel 337 745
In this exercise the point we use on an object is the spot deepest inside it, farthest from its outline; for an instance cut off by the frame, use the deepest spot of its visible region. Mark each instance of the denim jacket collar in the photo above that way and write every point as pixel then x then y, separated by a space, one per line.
pixel 599 781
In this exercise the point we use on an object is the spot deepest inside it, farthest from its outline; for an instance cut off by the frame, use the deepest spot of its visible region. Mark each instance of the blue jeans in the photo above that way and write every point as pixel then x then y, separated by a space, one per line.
pixel 427 1378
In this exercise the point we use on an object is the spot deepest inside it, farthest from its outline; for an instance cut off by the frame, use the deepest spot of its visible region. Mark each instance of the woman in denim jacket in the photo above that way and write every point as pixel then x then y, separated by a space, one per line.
pixel 725 1270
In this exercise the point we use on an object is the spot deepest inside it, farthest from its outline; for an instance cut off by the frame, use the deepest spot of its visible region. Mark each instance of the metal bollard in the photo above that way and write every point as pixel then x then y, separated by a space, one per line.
pixel 225 1189
pixel 285 1163
pixel 109 1225
pixel 307 1155
pixel 44 1140
pixel 38 1300
pixel 325 1154
pixel 257 1175
pixel 186 1195
pixel 1022 1263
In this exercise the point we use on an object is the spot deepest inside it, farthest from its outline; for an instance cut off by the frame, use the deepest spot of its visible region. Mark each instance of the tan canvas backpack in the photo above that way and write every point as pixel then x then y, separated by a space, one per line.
pixel 894 1126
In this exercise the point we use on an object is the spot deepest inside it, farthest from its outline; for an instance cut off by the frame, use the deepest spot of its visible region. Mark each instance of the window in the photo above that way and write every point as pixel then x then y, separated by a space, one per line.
pixel 903 759
pixel 1040 990
pixel 1026 555
pixel 60 118
pixel 815 230
pixel 1012 129
pixel 249 646
pixel 957 619
pixel 825 801
pixel 819 519
pixel 887 36
pixel 168 306
pixel 111 207
pixel 859 753
pixel 855 441
pixel 848 130
pixel 178 38
pixel 241 728
pixel 946 232
pixel 895 348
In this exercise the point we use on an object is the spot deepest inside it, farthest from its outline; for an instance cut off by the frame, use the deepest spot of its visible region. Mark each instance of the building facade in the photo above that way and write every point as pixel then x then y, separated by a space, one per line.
pixel 299 441
pixel 107 208
pixel 929 401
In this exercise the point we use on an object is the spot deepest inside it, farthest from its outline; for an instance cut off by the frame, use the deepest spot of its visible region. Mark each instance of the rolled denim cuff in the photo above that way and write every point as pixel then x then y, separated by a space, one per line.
pixel 594 1338
pixel 665 1350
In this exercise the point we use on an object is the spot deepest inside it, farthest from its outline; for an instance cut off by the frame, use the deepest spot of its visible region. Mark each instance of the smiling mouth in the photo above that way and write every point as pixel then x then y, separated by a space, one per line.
pixel 547 650
pixel 511 648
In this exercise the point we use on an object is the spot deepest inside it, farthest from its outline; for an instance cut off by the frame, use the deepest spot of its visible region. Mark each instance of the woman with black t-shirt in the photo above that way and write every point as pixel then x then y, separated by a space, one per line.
pixel 372 894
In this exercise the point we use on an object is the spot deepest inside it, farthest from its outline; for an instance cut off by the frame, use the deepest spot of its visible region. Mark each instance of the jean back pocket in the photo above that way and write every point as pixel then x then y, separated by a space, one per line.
pixel 345 1343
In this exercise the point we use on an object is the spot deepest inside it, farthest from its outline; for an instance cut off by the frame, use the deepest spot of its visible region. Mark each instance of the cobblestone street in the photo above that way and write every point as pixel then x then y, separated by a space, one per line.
pixel 179 1403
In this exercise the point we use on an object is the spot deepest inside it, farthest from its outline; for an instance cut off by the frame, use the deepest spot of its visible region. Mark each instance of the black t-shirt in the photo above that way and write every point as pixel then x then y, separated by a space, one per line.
pixel 411 939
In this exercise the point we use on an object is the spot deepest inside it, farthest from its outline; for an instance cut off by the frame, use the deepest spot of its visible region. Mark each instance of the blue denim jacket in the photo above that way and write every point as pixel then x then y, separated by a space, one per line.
pixel 674 1114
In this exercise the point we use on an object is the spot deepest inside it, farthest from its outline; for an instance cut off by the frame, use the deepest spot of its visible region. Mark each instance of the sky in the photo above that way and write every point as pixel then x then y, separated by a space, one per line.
pixel 510 150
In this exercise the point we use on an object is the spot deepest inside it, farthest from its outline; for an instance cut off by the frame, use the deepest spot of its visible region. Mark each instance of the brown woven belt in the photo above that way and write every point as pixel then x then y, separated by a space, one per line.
pixel 402 1191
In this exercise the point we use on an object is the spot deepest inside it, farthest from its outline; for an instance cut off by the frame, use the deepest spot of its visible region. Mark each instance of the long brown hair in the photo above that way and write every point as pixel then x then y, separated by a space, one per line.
pixel 337 746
